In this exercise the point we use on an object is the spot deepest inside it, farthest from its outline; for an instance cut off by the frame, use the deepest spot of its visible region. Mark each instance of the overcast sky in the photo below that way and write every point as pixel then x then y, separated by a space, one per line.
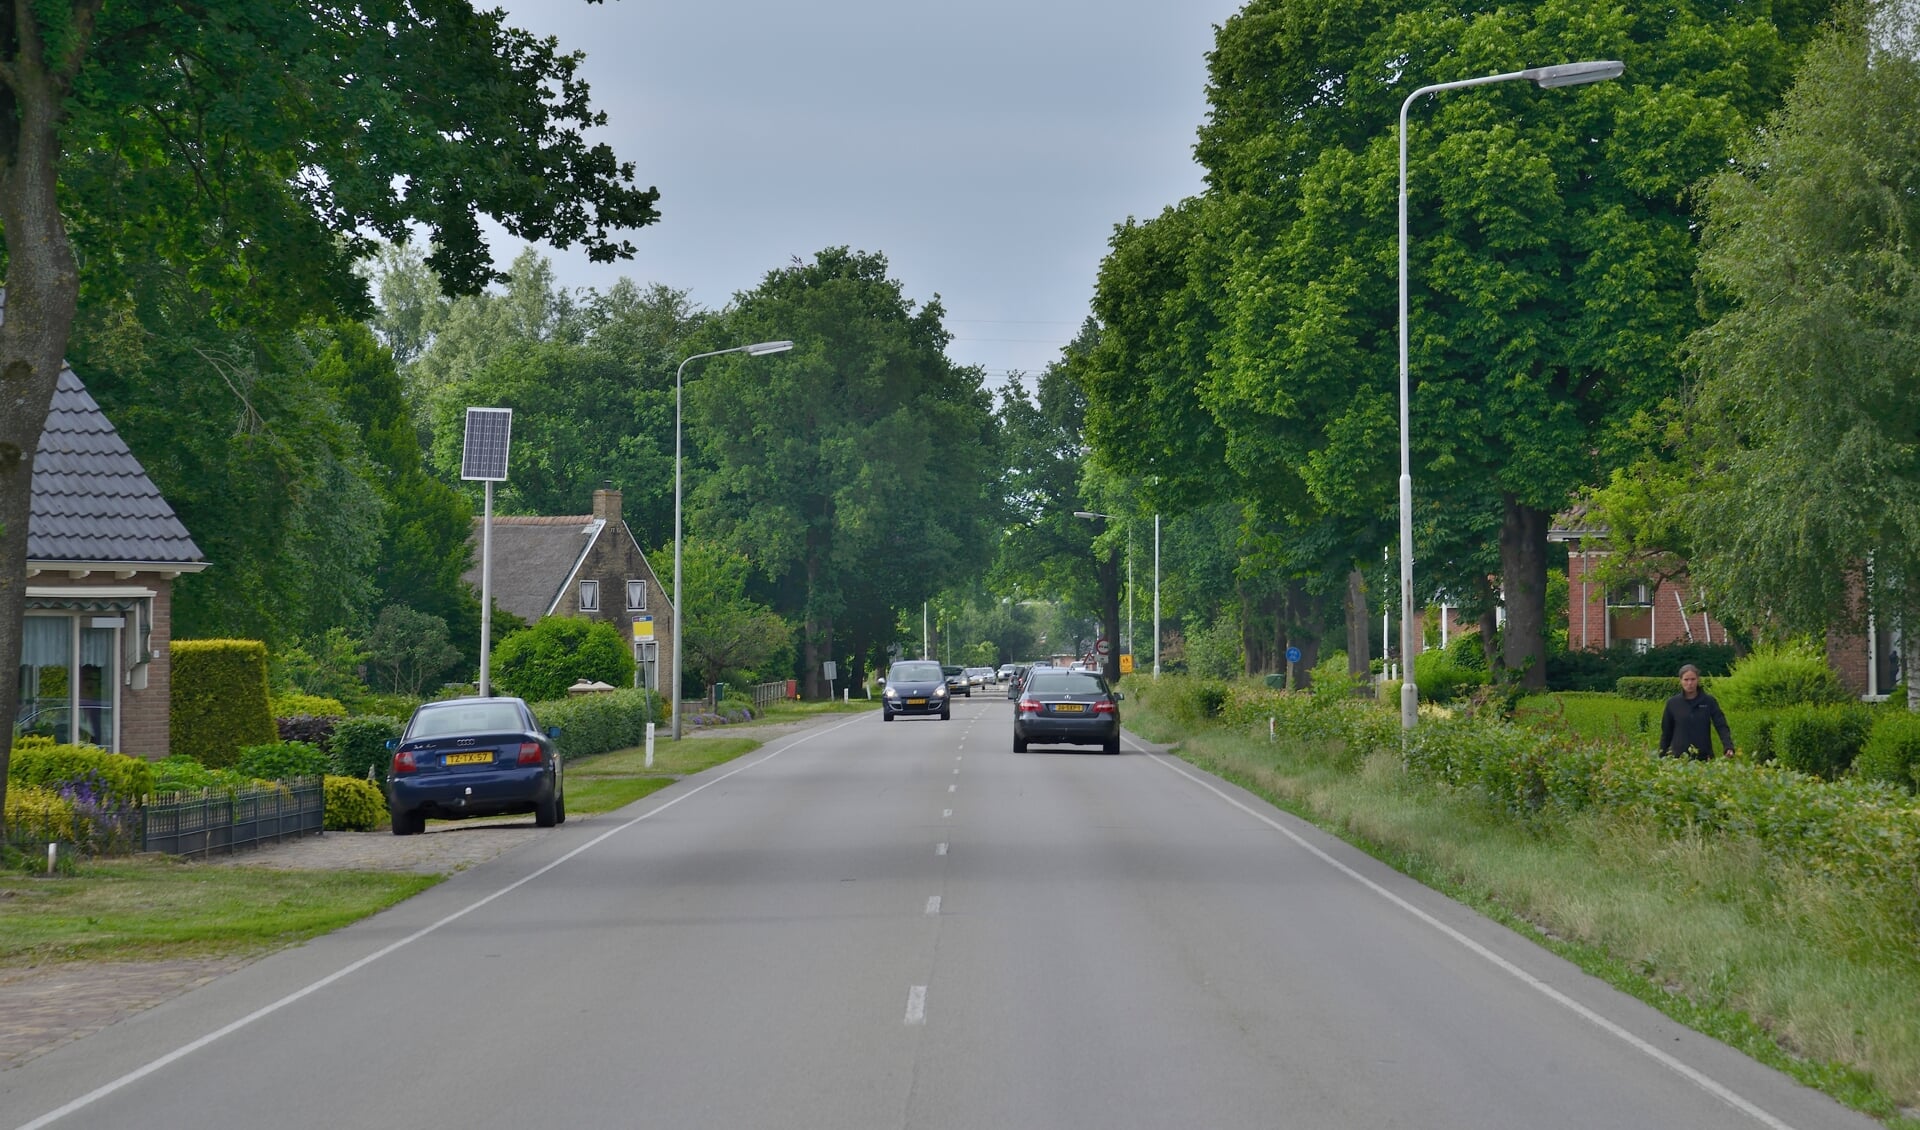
pixel 986 147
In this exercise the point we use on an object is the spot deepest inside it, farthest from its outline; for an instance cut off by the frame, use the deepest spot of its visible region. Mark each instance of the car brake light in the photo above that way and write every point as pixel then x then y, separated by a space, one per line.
pixel 1029 706
pixel 529 753
pixel 403 762
pixel 1103 708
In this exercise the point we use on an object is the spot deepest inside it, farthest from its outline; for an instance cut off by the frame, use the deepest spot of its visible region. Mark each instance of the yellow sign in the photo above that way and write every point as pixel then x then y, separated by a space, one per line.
pixel 643 627
pixel 1126 663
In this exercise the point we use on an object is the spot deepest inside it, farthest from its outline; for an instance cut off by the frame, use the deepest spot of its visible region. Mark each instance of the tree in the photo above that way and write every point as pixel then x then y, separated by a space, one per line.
pixel 859 470
pixel 1800 438
pixel 264 149
pixel 408 649
pixel 725 631
pixel 541 662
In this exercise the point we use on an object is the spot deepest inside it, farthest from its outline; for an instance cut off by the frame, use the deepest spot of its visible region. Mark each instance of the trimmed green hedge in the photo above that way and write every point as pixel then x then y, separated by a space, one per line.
pixel 353 805
pixel 219 704
pixel 1821 740
pixel 359 746
pixel 601 723
pixel 1649 688
pixel 1892 752
pixel 115 777
pixel 283 761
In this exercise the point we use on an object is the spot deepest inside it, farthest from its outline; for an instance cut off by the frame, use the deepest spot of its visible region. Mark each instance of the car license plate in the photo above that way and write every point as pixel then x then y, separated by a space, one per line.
pixel 479 758
pixel 1068 708
pixel 916 702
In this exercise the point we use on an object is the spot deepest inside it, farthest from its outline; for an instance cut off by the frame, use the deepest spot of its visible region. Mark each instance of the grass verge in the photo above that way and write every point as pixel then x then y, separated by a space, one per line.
pixel 1707 931
pixel 163 909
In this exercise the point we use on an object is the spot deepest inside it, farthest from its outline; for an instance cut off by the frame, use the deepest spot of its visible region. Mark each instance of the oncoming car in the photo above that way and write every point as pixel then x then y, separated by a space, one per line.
pixel 474 757
pixel 915 686
pixel 1066 708
pixel 957 681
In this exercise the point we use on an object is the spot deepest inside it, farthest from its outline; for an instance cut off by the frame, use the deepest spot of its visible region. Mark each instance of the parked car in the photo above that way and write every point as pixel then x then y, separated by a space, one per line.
pixel 915 686
pixel 1069 708
pixel 474 757
pixel 957 682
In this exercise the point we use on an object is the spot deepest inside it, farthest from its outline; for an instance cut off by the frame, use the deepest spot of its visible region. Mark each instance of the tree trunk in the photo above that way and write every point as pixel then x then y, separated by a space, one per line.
pixel 1523 566
pixel 1359 657
pixel 1305 614
pixel 1109 571
pixel 42 288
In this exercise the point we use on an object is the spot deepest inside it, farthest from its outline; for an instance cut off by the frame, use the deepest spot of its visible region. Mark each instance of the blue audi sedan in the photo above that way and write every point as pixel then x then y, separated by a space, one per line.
pixel 474 757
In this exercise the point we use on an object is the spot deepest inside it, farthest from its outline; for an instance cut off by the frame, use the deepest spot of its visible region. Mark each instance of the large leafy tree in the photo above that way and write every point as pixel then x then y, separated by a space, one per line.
pixel 1552 250
pixel 1803 433
pixel 727 631
pixel 859 471
pixel 262 149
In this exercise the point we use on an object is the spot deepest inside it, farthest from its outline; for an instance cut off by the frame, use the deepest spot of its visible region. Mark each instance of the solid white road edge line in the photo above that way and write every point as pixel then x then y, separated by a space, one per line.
pixel 185 1050
pixel 1700 1079
pixel 917 1005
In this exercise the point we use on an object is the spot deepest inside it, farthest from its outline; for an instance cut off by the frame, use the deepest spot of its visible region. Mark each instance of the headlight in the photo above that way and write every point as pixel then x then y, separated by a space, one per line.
pixel 940 691
pixel 891 692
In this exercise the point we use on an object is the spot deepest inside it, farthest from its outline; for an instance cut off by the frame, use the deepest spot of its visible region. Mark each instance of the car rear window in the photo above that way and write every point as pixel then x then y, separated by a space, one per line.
pixel 474 718
pixel 1065 682
pixel 914 673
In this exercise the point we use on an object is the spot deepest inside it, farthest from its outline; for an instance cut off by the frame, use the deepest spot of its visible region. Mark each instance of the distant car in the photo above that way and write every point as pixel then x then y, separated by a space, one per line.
pixel 1025 672
pixel 915 686
pixel 980 676
pixel 1069 708
pixel 1005 674
pixel 957 681
pixel 475 757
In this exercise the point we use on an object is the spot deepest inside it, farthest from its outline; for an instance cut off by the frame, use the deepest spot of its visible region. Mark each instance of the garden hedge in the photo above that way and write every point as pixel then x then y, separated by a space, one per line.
pixel 219 704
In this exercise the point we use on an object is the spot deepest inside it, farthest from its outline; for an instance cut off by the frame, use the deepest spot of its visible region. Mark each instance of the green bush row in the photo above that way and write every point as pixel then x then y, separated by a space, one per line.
pixel 601 723
pixel 116 778
pixel 219 700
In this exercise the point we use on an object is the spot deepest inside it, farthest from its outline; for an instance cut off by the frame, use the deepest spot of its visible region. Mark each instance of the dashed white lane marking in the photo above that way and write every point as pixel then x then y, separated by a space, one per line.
pixel 956 770
pixel 917 1005
pixel 946 812
pixel 933 904
pixel 939 849
pixel 1698 1078
pixel 953 788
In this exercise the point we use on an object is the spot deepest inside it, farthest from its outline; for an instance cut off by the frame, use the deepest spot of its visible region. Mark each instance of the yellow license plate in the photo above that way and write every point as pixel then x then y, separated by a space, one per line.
pixel 469 758
pixel 1068 708
pixel 916 702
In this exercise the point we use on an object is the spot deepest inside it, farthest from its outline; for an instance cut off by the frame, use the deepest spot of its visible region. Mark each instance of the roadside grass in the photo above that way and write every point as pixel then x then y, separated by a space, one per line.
pixel 162 909
pixel 588 795
pixel 1705 929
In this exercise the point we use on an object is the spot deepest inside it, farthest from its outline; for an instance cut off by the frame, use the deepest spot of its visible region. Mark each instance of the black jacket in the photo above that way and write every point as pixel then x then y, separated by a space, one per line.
pixel 1684 727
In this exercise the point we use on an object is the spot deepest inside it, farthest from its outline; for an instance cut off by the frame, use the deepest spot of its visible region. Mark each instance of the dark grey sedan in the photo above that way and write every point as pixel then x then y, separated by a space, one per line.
pixel 1067 708
pixel 916 686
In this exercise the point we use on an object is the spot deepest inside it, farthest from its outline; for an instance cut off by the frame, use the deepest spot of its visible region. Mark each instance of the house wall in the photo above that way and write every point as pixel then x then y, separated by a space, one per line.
pixel 1669 619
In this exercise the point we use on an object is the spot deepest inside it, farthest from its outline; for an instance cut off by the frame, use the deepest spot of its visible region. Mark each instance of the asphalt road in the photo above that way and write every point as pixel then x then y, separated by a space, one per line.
pixel 906 924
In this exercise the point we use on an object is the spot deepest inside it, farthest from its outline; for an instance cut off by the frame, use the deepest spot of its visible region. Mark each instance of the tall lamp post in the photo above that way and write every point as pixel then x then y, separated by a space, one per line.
pixel 1565 74
pixel 757 349
pixel 1156 596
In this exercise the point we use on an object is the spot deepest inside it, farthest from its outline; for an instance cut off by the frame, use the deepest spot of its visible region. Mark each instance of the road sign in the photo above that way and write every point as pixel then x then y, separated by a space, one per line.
pixel 1293 655
pixel 643 627
pixel 1126 663
pixel 1102 648
pixel 829 670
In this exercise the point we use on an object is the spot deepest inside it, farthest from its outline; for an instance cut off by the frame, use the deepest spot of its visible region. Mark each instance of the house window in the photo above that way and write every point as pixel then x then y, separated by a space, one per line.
pixel 69 678
pixel 1630 594
pixel 589 596
pixel 636 596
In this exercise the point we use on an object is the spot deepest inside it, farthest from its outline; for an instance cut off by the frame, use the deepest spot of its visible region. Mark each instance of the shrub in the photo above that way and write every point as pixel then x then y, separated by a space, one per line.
pixel 1892 751
pixel 1465 652
pixel 289 704
pixel 219 703
pixel 541 662
pixel 1820 740
pixel 1649 688
pixel 182 774
pixel 313 729
pixel 359 746
pixel 353 804
pixel 38 814
pixel 282 761
pixel 1440 680
pixel 600 723
pixel 1781 676
pixel 1600 670
pixel 115 778
pixel 1214 651
pixel 1187 700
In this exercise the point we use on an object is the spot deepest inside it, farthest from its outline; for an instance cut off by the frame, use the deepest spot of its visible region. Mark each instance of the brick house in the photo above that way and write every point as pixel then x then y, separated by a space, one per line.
pixel 590 566
pixel 103 551
pixel 1658 612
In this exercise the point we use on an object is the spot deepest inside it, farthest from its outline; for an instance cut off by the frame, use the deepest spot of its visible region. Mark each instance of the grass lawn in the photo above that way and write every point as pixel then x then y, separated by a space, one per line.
pixel 1707 930
pixel 162 909
pixel 1593 714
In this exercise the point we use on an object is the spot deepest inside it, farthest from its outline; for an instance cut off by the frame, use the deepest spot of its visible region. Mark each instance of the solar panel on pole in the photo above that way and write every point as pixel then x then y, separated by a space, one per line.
pixel 485 455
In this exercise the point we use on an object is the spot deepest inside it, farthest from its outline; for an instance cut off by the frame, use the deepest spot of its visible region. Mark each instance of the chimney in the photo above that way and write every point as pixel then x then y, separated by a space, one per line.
pixel 606 503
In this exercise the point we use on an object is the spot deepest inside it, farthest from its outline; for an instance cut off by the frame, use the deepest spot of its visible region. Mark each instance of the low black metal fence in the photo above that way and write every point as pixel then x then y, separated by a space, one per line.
pixel 219 821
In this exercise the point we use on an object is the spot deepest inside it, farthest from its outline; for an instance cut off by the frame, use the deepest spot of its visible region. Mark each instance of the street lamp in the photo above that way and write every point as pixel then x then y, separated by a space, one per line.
pixel 757 349
pixel 1565 74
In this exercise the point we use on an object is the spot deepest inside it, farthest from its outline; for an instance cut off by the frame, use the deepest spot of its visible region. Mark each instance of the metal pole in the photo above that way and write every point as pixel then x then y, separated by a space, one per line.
pixel 1129 639
pixel 486 596
pixel 1156 596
